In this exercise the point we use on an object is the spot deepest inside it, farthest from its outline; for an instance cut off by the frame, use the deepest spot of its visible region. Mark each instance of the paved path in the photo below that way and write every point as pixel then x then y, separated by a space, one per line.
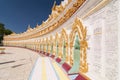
pixel 46 68
pixel 17 63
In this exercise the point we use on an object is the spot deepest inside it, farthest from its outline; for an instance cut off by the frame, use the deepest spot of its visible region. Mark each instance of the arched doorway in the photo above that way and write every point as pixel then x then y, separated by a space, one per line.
pixel 40 45
pixel 63 51
pixel 51 45
pixel 64 43
pixel 51 51
pixel 78 46
pixel 57 44
pixel 47 45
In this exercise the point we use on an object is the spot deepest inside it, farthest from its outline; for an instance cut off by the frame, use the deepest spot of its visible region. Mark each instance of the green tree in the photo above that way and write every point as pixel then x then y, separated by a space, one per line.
pixel 3 31
pixel 7 32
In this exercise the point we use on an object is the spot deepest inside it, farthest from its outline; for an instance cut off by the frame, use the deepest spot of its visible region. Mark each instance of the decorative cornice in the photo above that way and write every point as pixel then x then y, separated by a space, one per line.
pixel 96 8
pixel 63 19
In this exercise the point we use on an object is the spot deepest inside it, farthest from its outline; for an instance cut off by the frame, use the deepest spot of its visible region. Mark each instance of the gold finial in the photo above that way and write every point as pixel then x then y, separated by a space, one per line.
pixel 29 27
pixel 37 25
pixel 53 8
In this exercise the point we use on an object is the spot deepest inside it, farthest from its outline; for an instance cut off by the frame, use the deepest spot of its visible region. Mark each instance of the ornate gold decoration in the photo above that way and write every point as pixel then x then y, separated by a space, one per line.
pixel 81 30
pixel 51 41
pixel 57 9
pixel 57 41
pixel 64 37
pixel 49 46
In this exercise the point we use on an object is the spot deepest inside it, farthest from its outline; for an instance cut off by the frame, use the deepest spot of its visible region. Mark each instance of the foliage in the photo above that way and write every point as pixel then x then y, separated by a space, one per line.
pixel 7 32
pixel 3 31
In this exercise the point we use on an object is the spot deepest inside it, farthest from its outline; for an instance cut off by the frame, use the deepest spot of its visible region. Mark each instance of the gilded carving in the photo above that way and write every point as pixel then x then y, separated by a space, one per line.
pixel 81 30
pixel 64 37
pixel 57 44
pixel 56 10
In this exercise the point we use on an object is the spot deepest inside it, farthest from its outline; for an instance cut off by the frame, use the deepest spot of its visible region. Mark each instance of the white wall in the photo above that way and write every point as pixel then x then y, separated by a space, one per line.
pixel 103 57
pixel 119 35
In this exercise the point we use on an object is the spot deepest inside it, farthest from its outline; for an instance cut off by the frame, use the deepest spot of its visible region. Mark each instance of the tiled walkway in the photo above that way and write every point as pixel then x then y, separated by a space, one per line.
pixel 47 69
pixel 17 63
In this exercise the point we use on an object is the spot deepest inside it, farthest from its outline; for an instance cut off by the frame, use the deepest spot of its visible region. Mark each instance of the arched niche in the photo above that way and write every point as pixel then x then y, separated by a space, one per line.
pixel 54 46
pixel 44 45
pixel 78 39
pixel 37 45
pixel 64 43
pixel 51 44
pixel 40 44
pixel 47 44
pixel 57 45
pixel 34 44
pixel 29 44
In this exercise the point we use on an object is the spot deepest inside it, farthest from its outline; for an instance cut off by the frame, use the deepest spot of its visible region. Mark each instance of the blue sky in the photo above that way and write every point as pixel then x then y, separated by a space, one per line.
pixel 18 14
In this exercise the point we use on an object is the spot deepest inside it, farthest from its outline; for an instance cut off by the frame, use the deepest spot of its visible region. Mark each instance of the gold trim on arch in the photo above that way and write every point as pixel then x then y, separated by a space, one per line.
pixel 64 36
pixel 81 30
pixel 57 39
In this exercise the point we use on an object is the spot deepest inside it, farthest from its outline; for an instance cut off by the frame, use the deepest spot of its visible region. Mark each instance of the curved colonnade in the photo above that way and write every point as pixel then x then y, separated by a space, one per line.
pixel 65 34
